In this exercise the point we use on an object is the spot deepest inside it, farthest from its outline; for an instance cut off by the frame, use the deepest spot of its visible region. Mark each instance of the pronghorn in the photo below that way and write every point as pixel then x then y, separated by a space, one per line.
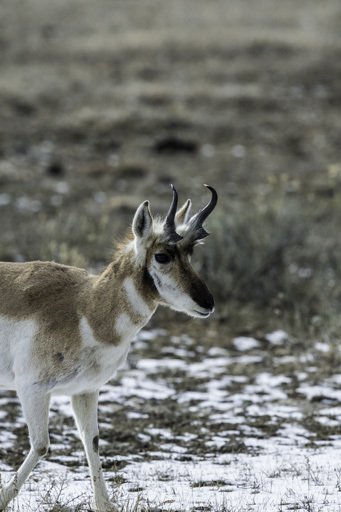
pixel 63 331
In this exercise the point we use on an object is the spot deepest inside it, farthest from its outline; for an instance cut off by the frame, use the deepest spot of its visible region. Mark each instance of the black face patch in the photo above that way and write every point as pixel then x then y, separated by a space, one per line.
pixel 60 356
pixel 201 295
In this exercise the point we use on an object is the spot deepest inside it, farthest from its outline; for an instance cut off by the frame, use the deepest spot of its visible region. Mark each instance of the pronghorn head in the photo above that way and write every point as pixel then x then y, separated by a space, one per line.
pixel 164 249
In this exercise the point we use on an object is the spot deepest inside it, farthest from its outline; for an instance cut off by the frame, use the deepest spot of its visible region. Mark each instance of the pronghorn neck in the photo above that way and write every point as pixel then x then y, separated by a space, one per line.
pixel 122 299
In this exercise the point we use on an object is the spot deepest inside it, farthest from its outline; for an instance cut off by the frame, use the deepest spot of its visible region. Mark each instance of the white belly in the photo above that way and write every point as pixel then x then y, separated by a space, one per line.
pixel 16 339
pixel 95 369
pixel 95 364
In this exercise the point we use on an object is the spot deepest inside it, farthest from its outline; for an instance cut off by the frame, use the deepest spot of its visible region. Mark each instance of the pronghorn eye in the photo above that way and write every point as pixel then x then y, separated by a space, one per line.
pixel 163 257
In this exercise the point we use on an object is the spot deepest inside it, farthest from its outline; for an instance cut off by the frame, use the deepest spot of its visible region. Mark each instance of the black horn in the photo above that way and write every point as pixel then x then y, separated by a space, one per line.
pixel 169 224
pixel 199 218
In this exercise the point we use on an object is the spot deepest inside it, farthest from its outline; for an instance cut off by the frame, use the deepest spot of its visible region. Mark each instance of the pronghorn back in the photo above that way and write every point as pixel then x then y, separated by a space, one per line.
pixel 32 288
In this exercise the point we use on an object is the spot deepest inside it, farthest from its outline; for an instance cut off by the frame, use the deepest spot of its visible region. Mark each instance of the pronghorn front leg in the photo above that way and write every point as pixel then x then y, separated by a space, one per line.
pixel 85 410
pixel 35 405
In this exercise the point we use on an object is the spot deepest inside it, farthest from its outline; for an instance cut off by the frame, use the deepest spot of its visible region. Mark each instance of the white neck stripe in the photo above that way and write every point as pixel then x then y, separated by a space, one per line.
pixel 138 305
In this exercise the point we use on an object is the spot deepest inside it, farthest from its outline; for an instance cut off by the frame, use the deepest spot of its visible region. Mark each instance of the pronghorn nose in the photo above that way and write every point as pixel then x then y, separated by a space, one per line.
pixel 207 301
pixel 201 295
pixel 210 301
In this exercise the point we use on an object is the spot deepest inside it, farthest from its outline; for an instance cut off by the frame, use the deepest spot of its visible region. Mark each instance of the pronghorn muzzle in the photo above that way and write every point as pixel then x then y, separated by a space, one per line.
pixel 201 295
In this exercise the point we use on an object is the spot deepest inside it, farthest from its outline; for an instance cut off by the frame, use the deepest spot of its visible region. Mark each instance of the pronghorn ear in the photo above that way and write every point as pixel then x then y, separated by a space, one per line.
pixel 182 214
pixel 143 221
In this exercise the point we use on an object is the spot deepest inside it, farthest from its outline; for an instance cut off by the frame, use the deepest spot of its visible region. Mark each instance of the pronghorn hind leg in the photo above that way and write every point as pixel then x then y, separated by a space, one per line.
pixel 35 407
pixel 85 411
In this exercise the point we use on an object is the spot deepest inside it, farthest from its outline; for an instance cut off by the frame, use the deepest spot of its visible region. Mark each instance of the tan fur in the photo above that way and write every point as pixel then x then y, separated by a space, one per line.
pixel 49 294
pixel 56 297
pixel 107 299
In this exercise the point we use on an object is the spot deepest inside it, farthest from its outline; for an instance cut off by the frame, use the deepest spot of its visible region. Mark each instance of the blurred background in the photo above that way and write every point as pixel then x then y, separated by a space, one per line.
pixel 104 104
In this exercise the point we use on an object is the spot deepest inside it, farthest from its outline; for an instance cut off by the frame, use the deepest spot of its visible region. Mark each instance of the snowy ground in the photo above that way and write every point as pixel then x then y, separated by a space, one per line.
pixel 253 426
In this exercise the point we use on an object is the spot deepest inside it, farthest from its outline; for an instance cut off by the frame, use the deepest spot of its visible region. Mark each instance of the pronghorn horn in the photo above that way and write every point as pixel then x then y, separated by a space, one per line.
pixel 169 224
pixel 199 218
